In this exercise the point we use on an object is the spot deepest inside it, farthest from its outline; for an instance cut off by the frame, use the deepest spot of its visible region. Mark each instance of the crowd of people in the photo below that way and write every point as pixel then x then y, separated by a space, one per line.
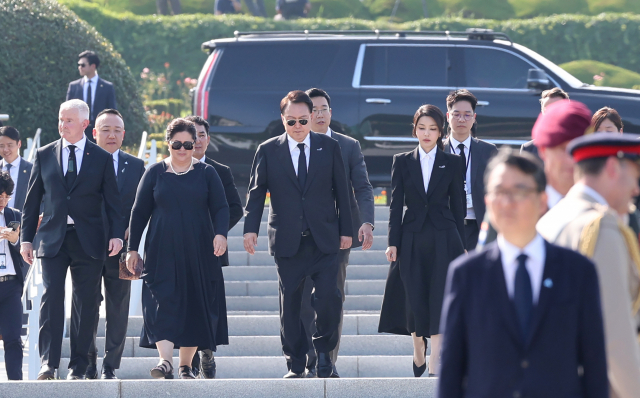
pixel 517 266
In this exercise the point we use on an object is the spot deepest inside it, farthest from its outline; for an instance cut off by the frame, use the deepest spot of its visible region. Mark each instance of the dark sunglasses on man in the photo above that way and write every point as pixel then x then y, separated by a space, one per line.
pixel 188 145
pixel 82 65
pixel 303 122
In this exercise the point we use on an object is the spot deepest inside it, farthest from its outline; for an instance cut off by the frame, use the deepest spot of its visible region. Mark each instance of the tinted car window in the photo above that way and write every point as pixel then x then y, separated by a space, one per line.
pixel 295 65
pixel 489 68
pixel 404 66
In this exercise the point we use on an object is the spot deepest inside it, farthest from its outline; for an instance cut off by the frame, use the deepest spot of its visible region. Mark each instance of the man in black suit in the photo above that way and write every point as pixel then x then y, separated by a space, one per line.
pixel 461 116
pixel 98 93
pixel 547 98
pixel 74 179
pixel 109 133
pixel 15 165
pixel 12 274
pixel 362 216
pixel 522 316
pixel 235 214
pixel 309 222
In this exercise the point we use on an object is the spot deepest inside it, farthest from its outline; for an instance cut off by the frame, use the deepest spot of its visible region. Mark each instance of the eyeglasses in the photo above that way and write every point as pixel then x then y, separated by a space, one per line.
pixel 514 195
pixel 463 116
pixel 188 145
pixel 303 122
pixel 321 111
pixel 82 65
pixel 7 198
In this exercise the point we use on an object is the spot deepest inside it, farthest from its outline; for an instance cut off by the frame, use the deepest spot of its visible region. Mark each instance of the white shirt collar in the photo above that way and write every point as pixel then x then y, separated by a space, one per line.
pixel 294 144
pixel 534 249
pixel 553 196
pixel 94 79
pixel 453 143
pixel 536 256
pixel 203 159
pixel 329 132
pixel 15 163
pixel 79 145
pixel 116 154
pixel 431 154
pixel 591 192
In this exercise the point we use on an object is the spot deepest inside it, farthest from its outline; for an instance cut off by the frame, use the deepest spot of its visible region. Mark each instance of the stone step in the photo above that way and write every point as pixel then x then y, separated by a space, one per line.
pixel 379 230
pixel 424 387
pixel 357 257
pixel 381 214
pixel 270 288
pixel 271 346
pixel 236 243
pixel 268 368
pixel 262 273
pixel 271 303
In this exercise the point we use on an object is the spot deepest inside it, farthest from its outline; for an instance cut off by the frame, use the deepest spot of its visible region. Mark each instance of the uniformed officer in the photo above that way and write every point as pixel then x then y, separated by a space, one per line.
pixel 591 219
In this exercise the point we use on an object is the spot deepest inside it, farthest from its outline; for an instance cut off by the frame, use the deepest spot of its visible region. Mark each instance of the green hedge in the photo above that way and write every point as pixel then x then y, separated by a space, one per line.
pixel 601 74
pixel 39 46
pixel 150 41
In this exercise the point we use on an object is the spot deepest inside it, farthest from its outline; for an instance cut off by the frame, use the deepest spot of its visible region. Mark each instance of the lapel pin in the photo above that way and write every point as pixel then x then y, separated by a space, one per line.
pixel 123 170
pixel 548 283
pixel 126 162
pixel 442 167
pixel 24 171
pixel 319 149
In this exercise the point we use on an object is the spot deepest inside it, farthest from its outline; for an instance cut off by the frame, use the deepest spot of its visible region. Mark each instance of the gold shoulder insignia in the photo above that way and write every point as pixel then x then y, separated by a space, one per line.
pixel 634 251
pixel 589 237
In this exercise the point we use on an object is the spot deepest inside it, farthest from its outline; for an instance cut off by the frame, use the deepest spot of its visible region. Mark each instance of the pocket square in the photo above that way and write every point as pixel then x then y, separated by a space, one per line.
pixel 442 167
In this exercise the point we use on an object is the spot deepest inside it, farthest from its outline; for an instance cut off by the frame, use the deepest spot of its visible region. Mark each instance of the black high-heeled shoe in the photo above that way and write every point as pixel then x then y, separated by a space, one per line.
pixel 185 372
pixel 419 370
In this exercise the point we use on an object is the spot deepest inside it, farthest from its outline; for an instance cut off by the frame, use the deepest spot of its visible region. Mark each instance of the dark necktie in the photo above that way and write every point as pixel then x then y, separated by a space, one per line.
pixel 523 296
pixel 9 166
pixel 302 166
pixel 89 101
pixel 72 167
pixel 464 160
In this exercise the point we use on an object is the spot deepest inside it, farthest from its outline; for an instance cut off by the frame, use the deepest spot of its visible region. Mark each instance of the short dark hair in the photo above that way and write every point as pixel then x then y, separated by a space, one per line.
pixel 296 97
pixel 199 121
pixel 318 92
pixel 91 57
pixel 109 111
pixel 523 161
pixel 178 126
pixel 433 112
pixel 591 167
pixel 461 95
pixel 555 92
pixel 11 132
pixel 6 183
pixel 606 113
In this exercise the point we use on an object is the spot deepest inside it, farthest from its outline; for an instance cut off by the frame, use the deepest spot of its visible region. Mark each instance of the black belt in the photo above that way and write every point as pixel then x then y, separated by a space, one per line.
pixel 306 233
pixel 7 278
pixel 470 221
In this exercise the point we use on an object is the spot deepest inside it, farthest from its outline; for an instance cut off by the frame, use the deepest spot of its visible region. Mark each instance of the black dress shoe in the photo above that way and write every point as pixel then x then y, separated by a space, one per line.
pixel 293 375
pixel 324 367
pixel 108 373
pixel 310 373
pixel 92 371
pixel 185 372
pixel 208 365
pixel 195 364
pixel 47 373
pixel 335 374
pixel 73 375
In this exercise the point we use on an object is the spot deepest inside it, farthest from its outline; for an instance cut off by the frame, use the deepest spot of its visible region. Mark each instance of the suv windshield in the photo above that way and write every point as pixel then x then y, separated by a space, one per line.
pixel 561 73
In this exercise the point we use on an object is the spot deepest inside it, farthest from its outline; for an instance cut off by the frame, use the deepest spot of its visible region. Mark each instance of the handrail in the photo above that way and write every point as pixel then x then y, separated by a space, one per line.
pixel 32 146
pixel 4 117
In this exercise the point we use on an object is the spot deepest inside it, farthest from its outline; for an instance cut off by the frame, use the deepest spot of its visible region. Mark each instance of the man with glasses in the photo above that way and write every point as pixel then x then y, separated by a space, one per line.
pixel 461 116
pixel 522 310
pixel 96 92
pixel 309 222
pixel 362 214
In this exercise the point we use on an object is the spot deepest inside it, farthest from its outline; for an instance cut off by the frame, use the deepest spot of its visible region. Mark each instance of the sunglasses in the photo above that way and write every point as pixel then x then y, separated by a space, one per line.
pixel 303 122
pixel 188 145
pixel 82 65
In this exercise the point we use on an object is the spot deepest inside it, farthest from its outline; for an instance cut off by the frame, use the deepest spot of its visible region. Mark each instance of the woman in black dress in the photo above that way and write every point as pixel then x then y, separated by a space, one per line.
pixel 183 297
pixel 430 182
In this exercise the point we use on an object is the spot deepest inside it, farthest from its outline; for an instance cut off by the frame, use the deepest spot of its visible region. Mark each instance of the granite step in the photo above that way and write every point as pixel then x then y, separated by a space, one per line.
pixel 270 288
pixel 236 243
pixel 238 230
pixel 271 303
pixel 357 257
pixel 262 273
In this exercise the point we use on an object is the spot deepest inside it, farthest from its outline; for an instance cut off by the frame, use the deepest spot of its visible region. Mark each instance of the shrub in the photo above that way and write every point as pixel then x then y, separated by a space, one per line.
pixel 601 74
pixel 495 9
pixel 38 54
pixel 535 8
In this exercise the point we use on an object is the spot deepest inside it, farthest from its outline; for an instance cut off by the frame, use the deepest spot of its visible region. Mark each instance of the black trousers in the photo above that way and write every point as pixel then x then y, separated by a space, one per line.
pixel 86 273
pixel 117 293
pixel 471 230
pixel 327 302
pixel 308 314
pixel 11 326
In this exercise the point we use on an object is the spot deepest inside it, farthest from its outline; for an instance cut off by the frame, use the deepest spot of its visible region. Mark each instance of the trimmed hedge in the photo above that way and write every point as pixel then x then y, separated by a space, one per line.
pixel 38 55
pixel 150 41
pixel 601 74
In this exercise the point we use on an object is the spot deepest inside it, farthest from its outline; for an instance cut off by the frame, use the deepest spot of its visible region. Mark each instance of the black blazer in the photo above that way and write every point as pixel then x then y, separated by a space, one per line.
pixel 95 185
pixel 362 204
pixel 14 250
pixel 105 97
pixel 233 199
pixel 324 201
pixel 130 171
pixel 481 152
pixel 20 190
pixel 483 353
pixel 443 203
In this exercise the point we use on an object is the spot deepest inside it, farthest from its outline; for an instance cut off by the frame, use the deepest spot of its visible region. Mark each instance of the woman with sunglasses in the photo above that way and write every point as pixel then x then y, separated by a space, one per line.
pixel 183 295
pixel 430 182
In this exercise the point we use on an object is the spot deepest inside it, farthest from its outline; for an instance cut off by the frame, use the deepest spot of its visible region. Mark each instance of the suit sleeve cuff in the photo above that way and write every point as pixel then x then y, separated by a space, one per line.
pixel 372 226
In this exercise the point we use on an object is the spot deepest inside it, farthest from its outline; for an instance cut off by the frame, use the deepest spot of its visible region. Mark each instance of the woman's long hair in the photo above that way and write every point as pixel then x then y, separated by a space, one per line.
pixel 436 114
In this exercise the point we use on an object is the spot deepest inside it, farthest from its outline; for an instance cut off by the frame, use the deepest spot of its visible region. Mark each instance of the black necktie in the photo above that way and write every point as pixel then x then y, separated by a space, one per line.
pixel 523 295
pixel 72 167
pixel 9 166
pixel 89 101
pixel 464 160
pixel 302 166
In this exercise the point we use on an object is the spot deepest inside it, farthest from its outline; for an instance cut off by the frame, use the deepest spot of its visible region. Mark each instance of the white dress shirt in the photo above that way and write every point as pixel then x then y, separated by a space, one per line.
pixel 295 151
pixel 85 87
pixel 14 172
pixel 328 134
pixel 536 256
pixel 426 163
pixel 453 145
pixel 203 159
pixel 116 158
pixel 4 248
pixel 65 159
pixel 553 196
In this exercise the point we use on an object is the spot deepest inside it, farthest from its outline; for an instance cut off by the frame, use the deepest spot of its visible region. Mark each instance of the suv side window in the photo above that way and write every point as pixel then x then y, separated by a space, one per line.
pixel 489 68
pixel 417 66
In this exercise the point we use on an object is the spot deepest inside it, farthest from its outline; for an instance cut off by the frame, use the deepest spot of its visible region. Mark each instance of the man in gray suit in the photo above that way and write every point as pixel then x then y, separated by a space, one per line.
pixel 15 165
pixel 362 215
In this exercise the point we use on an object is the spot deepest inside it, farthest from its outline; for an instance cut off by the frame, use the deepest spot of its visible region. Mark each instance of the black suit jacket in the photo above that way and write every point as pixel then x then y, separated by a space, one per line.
pixel 20 190
pixel 481 152
pixel 95 185
pixel 443 203
pixel 324 201
pixel 105 97
pixel 483 353
pixel 14 250
pixel 360 189
pixel 233 199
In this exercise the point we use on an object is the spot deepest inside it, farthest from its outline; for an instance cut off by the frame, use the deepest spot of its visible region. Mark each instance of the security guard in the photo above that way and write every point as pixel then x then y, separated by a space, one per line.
pixel 592 219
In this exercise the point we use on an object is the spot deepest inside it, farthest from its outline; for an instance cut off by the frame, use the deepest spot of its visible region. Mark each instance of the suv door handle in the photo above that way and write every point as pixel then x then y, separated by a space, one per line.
pixel 378 101
pixel 483 103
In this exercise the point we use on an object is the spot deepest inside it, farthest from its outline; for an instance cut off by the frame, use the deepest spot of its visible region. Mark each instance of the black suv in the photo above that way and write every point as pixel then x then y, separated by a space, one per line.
pixel 377 80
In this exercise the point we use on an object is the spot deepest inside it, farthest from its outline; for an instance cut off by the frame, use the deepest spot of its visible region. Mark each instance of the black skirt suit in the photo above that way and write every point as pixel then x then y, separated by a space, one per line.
pixel 428 238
